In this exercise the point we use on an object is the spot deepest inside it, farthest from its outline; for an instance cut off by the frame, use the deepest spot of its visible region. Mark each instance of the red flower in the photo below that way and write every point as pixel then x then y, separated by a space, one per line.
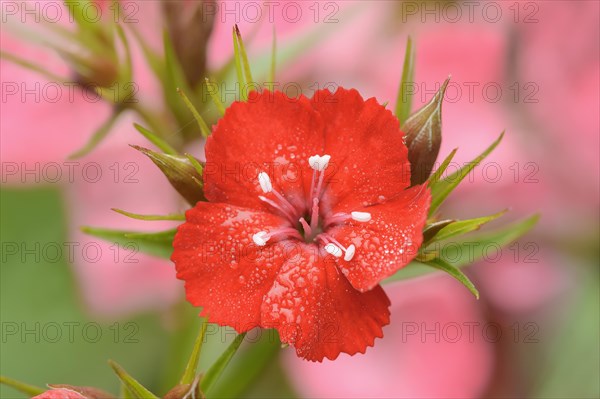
pixel 297 240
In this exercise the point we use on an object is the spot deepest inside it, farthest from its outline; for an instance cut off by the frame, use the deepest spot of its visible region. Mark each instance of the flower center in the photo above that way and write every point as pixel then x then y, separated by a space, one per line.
pixel 312 227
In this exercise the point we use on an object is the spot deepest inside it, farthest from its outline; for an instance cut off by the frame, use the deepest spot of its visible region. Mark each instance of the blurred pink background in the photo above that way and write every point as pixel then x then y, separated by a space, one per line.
pixel 533 70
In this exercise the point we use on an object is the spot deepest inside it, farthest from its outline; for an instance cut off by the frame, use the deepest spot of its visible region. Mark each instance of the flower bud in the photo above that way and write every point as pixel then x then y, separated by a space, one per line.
pixel 180 172
pixel 423 137
pixel 63 391
pixel 189 26
pixel 183 391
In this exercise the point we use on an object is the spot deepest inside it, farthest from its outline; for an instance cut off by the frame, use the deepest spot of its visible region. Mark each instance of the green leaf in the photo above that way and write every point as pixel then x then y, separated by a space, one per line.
pixel 27 389
pixel 423 137
pixel 461 227
pixel 440 264
pixel 177 216
pixel 173 78
pixel 215 371
pixel 82 358
pixel 431 229
pixel 98 136
pixel 124 392
pixel 247 367
pixel 136 389
pixel 189 374
pixel 238 67
pixel 465 251
pixel 245 63
pixel 195 163
pixel 201 123
pixel 158 244
pixel 76 9
pixel 180 172
pixel 31 66
pixel 471 249
pixel 435 177
pixel 216 97
pixel 154 139
pixel 127 72
pixel 404 100
pixel 152 59
pixel 442 188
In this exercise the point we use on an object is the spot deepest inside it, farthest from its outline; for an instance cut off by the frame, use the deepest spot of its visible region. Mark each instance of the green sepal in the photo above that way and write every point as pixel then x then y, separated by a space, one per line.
pixel 27 389
pixel 423 137
pixel 441 264
pixel 442 188
pixel 431 229
pixel 460 227
pixel 471 249
pixel 215 95
pixel 124 392
pixel 158 244
pixel 436 176
pixel 136 389
pixel 204 129
pixel 242 49
pixel 172 79
pixel 466 250
pixel 238 66
pixel 180 172
pixel 189 374
pixel 247 367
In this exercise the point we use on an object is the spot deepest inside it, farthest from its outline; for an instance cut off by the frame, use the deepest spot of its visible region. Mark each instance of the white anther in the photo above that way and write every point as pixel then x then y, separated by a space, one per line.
pixel 333 250
pixel 261 238
pixel 324 162
pixel 319 163
pixel 361 216
pixel 349 253
pixel 312 161
pixel 265 182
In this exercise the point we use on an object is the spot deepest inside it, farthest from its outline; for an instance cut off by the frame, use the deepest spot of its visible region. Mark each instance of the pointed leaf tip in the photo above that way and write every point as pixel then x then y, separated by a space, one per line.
pixel 181 173
pixel 136 389
pixel 423 137
pixel 443 187
pixel 441 264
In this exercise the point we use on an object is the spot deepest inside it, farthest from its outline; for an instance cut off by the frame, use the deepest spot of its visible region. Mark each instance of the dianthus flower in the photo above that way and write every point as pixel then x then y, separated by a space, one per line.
pixel 309 208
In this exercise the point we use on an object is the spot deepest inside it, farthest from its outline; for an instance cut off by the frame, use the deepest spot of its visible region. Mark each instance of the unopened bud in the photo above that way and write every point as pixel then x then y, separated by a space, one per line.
pixel 423 137
pixel 180 172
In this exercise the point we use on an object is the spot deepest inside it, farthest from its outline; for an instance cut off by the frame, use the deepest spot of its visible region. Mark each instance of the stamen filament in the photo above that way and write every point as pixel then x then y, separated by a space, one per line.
pixel 284 202
pixel 306 227
pixel 336 219
pixel 314 217
pixel 275 205
pixel 312 188
pixel 262 237
pixel 317 193
pixel 333 247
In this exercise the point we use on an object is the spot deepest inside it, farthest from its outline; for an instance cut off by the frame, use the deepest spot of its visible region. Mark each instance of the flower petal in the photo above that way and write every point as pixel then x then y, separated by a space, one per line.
pixel 369 161
pixel 224 271
pixel 270 133
pixel 386 243
pixel 314 308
